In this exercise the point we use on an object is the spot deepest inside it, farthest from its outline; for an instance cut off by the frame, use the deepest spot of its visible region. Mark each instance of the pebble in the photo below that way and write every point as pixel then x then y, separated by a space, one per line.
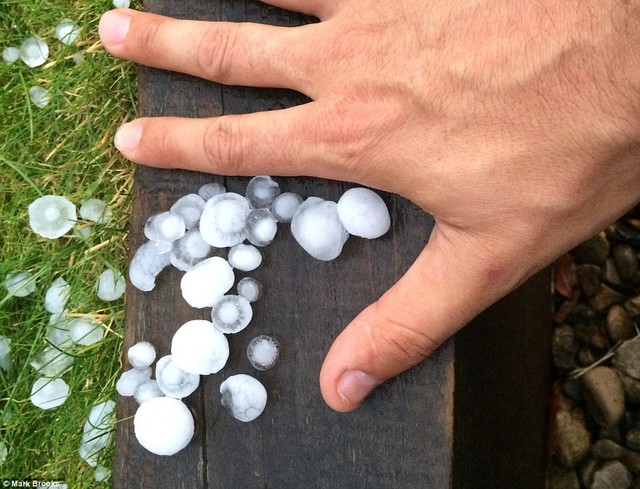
pixel 605 297
pixel 626 261
pixel 631 388
pixel 610 273
pixel 594 250
pixel 562 478
pixel 589 278
pixel 633 306
pixel 612 475
pixel 627 357
pixel 564 347
pixel 624 232
pixel 606 450
pixel 571 438
pixel 632 438
pixel 591 335
pixel 604 395
pixel 619 324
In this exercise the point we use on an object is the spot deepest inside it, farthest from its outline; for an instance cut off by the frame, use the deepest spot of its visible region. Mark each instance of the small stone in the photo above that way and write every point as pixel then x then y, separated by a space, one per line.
pixel 606 450
pixel 571 439
pixel 632 438
pixel 619 324
pixel 564 347
pixel 631 388
pixel 563 478
pixel 583 314
pixel 589 278
pixel 586 357
pixel 594 250
pixel 627 357
pixel 612 475
pixel 633 306
pixel 610 274
pixel 604 395
pixel 604 298
pixel 591 335
pixel 626 261
pixel 586 470
pixel 631 460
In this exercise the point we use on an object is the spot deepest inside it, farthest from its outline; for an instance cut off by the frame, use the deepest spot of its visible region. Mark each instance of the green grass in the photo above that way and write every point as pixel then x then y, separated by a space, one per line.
pixel 63 149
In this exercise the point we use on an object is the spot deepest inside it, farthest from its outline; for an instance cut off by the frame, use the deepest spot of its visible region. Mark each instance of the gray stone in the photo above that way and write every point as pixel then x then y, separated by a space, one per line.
pixel 564 347
pixel 626 261
pixel 606 450
pixel 594 250
pixel 619 324
pixel 612 475
pixel 627 357
pixel 589 278
pixel 632 438
pixel 604 395
pixel 610 273
pixel 571 440
pixel 604 298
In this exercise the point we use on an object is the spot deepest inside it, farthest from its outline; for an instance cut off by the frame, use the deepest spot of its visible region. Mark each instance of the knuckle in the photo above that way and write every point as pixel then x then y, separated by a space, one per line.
pixel 214 53
pixel 222 145
pixel 149 36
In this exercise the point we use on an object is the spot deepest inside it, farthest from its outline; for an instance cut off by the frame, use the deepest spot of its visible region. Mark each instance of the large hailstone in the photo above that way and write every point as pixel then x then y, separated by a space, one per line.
pixel 84 332
pixel 261 227
pixel 97 431
pixel 317 228
pixel 190 208
pixel 52 362
pixel 285 206
pixel 67 32
pixel 231 314
pixel 95 210
pixel 245 257
pixel 48 393
pixel 57 296
pixel 20 284
pixel 363 213
pixel 141 355
pixel 130 380
pixel 52 216
pixel 199 348
pixel 207 281
pixel 262 191
pixel 209 190
pixel 244 397
pixel 174 381
pixel 163 425
pixel 145 266
pixel 111 285
pixel 222 223
pixel 34 51
pixel 189 250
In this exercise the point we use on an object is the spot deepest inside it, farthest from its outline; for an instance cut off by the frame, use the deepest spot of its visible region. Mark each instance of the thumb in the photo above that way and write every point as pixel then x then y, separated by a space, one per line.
pixel 449 284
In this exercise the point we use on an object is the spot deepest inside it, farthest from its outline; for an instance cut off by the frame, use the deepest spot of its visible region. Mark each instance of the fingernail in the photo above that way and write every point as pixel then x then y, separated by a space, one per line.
pixel 113 27
pixel 355 385
pixel 128 136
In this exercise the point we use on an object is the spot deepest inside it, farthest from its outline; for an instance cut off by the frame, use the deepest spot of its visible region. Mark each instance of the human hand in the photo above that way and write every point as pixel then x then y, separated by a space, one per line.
pixel 515 124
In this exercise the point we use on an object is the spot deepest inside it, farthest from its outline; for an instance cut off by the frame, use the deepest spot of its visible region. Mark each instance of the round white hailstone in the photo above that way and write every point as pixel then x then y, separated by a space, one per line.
pixel 166 226
pixel 95 210
pixel 97 431
pixel 148 389
pixel 199 348
pixel 263 352
pixel 285 206
pixel 58 330
pixel 131 379
pixel 261 227
pixel 207 281
pixel 189 250
pixel 10 55
pixel 141 355
pixel 209 190
pixel 20 284
pixel 34 51
pixel 57 296
pixel 244 397
pixel 121 3
pixel 146 264
pixel 39 96
pixel 317 228
pixel 48 393
pixel 101 474
pixel 84 332
pixel 67 32
pixel 231 314
pixel 111 285
pixel 245 257
pixel 222 223
pixel 5 353
pixel 189 207
pixel 52 362
pixel 163 425
pixel 249 288
pixel 262 191
pixel 174 381
pixel 51 216
pixel 363 213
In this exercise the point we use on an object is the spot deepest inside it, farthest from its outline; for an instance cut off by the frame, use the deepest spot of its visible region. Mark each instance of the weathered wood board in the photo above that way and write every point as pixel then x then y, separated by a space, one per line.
pixel 411 433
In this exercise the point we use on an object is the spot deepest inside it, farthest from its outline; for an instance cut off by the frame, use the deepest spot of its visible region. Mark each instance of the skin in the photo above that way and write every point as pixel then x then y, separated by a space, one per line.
pixel 515 124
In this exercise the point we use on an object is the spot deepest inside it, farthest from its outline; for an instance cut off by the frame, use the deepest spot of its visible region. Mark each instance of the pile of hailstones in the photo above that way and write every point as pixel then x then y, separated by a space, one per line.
pixel 184 237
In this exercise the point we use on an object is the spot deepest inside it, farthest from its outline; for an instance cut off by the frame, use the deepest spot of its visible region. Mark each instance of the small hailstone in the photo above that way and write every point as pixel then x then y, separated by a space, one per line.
pixel 222 223
pixel 317 228
pixel 285 206
pixel 97 431
pixel 20 284
pixel 34 51
pixel 166 226
pixel 10 55
pixel 207 281
pixel 84 332
pixel 3 453
pixel 5 353
pixel 249 288
pixel 261 227
pixel 189 207
pixel 111 285
pixel 263 352
pixel 209 190
pixel 231 314
pixel 39 96
pixel 121 3
pixel 51 216
pixel 146 264
pixel 245 257
pixel 363 213
pixel 131 379
pixel 262 191
pixel 57 296
pixel 199 348
pixel 58 330
pixel 67 32
pixel 174 381
pixel 189 250
pixel 146 390
pixel 244 397
pixel 101 473
pixel 163 425
pixel 95 210
pixel 52 362
pixel 82 231
pixel 141 355
pixel 48 393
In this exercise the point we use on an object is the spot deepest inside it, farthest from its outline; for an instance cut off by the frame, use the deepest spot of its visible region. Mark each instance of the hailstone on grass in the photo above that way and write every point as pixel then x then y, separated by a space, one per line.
pixel 121 3
pixel 48 393
pixel 52 362
pixel 5 353
pixel 39 96
pixel 97 431
pixel 199 348
pixel 57 295
pixel 10 55
pixel 163 425
pixel 34 51
pixel 111 285
pixel 95 210
pixel 20 284
pixel 84 332
pixel 52 216
pixel 67 32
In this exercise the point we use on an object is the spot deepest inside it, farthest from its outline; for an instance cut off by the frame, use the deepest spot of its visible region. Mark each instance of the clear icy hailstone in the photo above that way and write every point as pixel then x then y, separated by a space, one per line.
pixel 145 266
pixel 131 379
pixel 101 474
pixel 95 210
pixel 84 332
pixel 121 3
pixel 285 206
pixel 222 223
pixel 48 393
pixel 249 288
pixel 244 397
pixel 52 362
pixel 163 425
pixel 10 55
pixel 209 190
pixel 263 352
pixel 58 330
pixel 51 216
pixel 262 191
pixel 198 348
pixel 57 296
pixel 166 226
pixel 261 227
pixel 245 257
pixel 5 353
pixel 141 355
pixel 207 281
pixel 189 207
pixel 82 231
pixel 39 96
pixel 147 390
pixel 97 431
pixel 231 314
pixel 189 250
pixel 317 228
pixel 20 284
pixel 111 285
pixel 67 32
pixel 363 213
pixel 34 51
pixel 174 381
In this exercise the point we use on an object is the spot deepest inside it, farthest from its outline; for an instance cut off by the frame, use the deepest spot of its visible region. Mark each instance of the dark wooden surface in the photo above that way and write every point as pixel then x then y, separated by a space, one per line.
pixel 408 434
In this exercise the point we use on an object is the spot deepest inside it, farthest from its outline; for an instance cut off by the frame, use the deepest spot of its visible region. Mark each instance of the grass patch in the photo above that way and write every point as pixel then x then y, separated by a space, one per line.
pixel 63 149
